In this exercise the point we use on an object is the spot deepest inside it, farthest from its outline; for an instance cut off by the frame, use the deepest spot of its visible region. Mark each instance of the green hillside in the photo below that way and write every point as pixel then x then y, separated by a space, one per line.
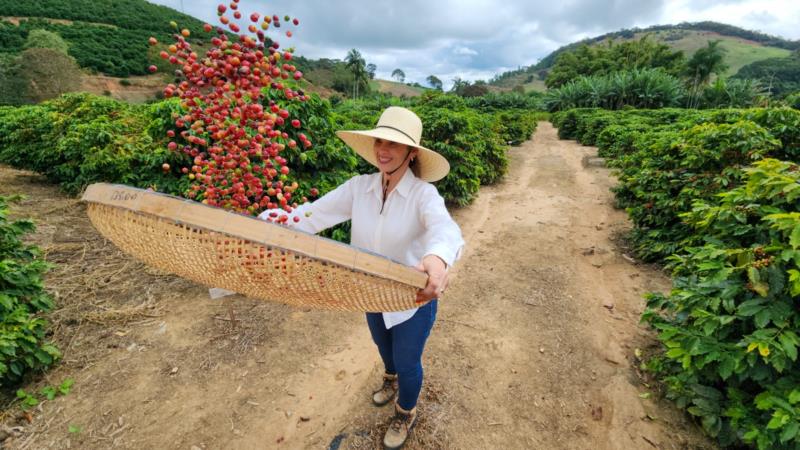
pixel 743 47
pixel 740 52
pixel 107 36
pixel 780 75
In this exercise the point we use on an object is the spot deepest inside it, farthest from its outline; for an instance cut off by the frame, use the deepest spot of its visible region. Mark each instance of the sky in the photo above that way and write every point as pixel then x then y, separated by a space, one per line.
pixel 477 39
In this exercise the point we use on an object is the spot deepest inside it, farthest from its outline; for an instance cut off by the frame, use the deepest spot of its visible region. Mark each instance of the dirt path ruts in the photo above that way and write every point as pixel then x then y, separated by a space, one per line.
pixel 533 347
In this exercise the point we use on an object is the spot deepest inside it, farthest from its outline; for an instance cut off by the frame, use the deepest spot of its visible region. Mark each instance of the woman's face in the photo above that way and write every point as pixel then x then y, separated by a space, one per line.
pixel 391 155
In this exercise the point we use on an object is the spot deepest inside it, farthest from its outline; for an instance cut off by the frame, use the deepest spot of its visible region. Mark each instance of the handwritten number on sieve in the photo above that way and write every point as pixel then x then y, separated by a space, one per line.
pixel 124 196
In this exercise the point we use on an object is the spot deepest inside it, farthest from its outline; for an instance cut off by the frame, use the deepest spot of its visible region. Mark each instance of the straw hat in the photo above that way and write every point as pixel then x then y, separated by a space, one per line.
pixel 399 125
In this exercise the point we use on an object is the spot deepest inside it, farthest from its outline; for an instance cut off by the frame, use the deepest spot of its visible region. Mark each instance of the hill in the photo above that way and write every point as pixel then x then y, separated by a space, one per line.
pixel 105 36
pixel 743 47
pixel 108 39
pixel 780 75
pixel 396 89
pixel 332 76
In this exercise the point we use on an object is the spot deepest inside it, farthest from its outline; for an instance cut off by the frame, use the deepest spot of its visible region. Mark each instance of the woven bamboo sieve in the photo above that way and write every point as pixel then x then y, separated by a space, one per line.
pixel 247 255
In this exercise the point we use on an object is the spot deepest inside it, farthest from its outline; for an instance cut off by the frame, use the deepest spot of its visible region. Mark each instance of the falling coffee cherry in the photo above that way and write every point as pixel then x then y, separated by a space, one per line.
pixel 235 143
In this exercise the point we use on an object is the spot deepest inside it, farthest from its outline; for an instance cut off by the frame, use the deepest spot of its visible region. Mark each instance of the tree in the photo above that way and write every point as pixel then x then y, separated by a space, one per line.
pixel 435 82
pixel 41 73
pixel 39 38
pixel 399 75
pixel 459 85
pixel 465 88
pixel 10 84
pixel 355 62
pixel 371 68
pixel 705 62
pixel 602 59
pixel 476 89
pixel 780 76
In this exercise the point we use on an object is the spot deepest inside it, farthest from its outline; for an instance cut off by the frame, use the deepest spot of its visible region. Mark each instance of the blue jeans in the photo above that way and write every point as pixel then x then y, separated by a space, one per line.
pixel 401 349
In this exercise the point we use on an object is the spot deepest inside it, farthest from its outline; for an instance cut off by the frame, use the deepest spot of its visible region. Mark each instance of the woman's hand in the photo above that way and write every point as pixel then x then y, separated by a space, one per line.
pixel 436 269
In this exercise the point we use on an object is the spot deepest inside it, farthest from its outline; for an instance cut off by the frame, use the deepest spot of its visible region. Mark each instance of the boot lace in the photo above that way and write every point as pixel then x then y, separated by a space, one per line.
pixel 388 384
pixel 400 421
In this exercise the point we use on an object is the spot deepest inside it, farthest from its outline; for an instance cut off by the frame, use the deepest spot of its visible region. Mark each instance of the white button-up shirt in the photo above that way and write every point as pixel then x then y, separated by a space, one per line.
pixel 414 222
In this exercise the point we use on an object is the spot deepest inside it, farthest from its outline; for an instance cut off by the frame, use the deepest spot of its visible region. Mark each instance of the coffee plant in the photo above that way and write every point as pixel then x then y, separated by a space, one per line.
pixel 730 324
pixel 23 344
pixel 708 198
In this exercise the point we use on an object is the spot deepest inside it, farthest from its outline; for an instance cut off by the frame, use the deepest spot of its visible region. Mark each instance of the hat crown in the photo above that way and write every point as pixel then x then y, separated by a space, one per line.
pixel 402 120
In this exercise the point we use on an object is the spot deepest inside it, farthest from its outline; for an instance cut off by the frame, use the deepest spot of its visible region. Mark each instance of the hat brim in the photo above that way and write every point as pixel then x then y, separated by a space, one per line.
pixel 432 166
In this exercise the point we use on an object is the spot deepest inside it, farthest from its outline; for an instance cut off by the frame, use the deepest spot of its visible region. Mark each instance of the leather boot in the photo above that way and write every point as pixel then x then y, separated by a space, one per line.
pixel 400 427
pixel 387 391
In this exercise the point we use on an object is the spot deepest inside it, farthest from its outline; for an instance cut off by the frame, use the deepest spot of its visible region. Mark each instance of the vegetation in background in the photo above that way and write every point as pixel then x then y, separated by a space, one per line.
pixel 732 93
pixel 434 82
pixel 609 58
pixel 42 71
pixel 706 62
pixel 779 76
pixel 46 39
pixel 629 33
pixel 638 88
pixel 78 139
pixel 793 100
pixel 687 37
pixel 466 88
pixel 105 37
pixel 652 88
pixel 357 66
pixel 399 75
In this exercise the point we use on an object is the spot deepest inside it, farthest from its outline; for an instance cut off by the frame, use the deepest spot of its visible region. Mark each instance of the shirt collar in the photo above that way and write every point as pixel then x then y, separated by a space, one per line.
pixel 403 187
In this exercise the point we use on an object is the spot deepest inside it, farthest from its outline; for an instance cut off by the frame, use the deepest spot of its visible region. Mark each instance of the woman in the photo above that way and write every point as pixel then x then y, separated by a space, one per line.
pixel 397 213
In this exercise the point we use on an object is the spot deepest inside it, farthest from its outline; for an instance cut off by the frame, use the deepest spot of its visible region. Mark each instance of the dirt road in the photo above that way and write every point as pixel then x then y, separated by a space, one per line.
pixel 533 347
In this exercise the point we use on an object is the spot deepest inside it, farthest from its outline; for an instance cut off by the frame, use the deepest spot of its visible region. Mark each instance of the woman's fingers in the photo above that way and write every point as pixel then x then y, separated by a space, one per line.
pixel 437 278
pixel 443 285
pixel 434 289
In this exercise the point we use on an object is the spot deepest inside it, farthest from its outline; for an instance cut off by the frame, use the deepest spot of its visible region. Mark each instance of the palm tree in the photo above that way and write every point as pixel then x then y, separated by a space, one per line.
pixel 705 62
pixel 355 62
pixel 459 85
pixel 399 75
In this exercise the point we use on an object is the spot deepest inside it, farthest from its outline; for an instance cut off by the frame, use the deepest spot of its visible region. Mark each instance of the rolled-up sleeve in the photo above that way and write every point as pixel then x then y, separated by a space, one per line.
pixel 442 234
pixel 331 209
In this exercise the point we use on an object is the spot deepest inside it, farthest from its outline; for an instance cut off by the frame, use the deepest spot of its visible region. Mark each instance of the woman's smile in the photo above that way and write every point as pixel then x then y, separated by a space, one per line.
pixel 389 154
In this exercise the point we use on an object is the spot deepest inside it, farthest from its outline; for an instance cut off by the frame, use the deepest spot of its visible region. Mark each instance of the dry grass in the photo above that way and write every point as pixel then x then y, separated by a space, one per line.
pixel 96 287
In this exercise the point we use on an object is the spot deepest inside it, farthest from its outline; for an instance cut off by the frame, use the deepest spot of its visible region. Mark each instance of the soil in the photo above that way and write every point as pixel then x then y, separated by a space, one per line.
pixel 145 88
pixel 17 19
pixel 535 344
pixel 140 89
pixel 397 89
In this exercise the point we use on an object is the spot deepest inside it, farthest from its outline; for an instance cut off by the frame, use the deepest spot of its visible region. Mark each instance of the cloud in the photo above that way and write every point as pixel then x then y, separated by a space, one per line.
pixel 460 50
pixel 476 39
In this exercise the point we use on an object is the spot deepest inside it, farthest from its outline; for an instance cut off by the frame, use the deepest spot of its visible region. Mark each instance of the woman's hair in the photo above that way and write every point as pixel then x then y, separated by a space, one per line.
pixel 414 163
